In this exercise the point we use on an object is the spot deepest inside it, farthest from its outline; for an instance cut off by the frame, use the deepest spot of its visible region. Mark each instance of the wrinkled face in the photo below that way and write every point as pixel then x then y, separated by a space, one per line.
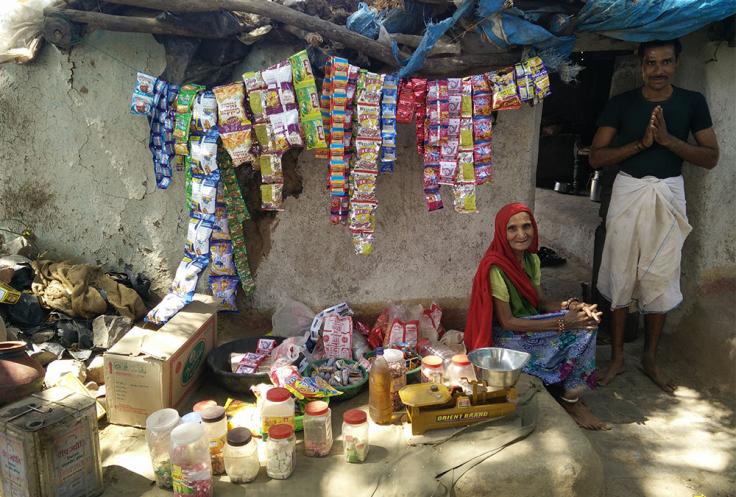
pixel 519 232
pixel 658 66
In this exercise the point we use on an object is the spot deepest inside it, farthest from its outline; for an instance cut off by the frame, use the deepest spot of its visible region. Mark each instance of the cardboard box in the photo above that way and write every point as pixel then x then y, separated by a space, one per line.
pixel 152 369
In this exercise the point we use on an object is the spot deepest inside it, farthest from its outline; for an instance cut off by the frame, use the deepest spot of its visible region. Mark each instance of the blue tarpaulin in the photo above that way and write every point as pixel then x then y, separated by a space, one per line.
pixel 651 20
pixel 629 20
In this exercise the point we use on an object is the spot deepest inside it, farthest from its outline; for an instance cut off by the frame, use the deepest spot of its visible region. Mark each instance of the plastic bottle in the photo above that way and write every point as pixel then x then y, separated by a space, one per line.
pixel 191 468
pixel 432 369
pixel 355 435
pixel 317 429
pixel 241 456
pixel 277 408
pixel 280 446
pixel 425 348
pixel 461 372
pixel 214 423
pixel 158 435
pixel 397 366
pixel 379 390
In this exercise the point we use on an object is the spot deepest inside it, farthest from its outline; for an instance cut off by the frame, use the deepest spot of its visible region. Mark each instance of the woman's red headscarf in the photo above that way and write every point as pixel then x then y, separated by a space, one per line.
pixel 499 253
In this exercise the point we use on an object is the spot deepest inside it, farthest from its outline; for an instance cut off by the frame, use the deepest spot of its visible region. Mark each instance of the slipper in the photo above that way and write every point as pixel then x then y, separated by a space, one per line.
pixel 550 258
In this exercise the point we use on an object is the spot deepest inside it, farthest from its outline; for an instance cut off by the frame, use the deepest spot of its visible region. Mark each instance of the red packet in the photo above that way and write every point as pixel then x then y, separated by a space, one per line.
pixel 337 336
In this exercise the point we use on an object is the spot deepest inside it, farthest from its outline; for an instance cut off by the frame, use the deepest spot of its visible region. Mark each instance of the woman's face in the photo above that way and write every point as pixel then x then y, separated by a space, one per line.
pixel 520 232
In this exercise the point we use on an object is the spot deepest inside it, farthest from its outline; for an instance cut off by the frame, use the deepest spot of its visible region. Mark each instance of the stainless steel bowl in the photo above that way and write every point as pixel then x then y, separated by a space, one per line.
pixel 498 367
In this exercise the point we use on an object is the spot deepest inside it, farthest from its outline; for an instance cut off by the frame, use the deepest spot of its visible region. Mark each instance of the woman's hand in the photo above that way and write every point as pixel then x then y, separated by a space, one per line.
pixel 582 315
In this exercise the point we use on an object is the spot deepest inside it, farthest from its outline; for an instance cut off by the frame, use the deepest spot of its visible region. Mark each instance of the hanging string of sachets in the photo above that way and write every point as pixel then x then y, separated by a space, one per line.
pixel 352 123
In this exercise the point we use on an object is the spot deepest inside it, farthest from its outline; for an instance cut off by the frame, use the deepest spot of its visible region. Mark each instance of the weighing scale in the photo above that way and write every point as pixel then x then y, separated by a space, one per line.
pixel 431 406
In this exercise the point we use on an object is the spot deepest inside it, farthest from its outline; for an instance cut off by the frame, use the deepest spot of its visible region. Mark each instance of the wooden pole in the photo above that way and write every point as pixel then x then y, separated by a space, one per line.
pixel 374 49
pixel 130 24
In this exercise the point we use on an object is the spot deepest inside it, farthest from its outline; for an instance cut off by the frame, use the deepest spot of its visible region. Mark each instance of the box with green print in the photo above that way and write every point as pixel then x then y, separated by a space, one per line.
pixel 150 369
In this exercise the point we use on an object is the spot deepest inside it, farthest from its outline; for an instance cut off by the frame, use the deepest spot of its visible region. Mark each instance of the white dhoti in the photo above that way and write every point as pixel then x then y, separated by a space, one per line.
pixel 645 230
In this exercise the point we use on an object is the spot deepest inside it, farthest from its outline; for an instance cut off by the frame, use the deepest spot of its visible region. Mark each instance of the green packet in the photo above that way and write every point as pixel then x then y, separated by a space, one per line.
pixel 186 96
pixel 314 132
pixel 301 68
pixel 306 96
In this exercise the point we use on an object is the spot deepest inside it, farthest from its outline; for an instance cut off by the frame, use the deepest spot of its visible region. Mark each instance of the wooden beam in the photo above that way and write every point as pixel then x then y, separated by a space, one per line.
pixel 129 24
pixel 289 16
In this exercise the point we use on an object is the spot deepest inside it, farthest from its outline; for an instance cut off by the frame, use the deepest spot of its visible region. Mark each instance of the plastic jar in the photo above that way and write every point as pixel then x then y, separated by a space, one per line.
pixel 397 366
pixel 460 368
pixel 317 429
pixel 277 408
pixel 158 435
pixel 355 441
pixel 433 369
pixel 281 448
pixel 241 456
pixel 214 423
pixel 191 469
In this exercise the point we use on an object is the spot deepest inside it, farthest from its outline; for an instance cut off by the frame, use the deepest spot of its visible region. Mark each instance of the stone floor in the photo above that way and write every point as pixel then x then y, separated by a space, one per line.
pixel 664 446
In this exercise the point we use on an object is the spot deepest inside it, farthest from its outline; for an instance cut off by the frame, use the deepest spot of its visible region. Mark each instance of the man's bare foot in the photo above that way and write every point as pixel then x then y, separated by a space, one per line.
pixel 583 416
pixel 654 374
pixel 615 368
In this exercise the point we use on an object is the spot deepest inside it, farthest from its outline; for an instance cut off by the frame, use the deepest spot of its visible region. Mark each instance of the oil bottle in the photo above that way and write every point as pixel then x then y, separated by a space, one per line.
pixel 379 390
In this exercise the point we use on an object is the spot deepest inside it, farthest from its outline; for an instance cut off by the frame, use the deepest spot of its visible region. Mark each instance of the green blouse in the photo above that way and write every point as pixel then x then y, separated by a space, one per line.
pixel 503 289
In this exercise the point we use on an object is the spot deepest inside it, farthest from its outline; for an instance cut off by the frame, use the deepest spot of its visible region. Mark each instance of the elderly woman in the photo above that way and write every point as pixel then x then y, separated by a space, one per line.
pixel 507 309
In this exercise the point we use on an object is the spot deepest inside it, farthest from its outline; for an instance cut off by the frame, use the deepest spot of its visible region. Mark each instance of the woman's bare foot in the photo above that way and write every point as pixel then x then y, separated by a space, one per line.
pixel 615 368
pixel 652 371
pixel 583 416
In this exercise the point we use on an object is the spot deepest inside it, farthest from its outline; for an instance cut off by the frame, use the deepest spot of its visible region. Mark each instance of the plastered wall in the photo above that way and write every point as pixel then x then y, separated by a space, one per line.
pixel 77 171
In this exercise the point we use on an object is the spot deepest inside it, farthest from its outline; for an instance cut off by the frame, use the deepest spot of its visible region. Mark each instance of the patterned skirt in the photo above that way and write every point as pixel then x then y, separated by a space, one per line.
pixel 566 358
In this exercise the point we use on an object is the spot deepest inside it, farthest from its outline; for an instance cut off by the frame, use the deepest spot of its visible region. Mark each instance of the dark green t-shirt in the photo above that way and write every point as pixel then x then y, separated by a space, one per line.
pixel 684 112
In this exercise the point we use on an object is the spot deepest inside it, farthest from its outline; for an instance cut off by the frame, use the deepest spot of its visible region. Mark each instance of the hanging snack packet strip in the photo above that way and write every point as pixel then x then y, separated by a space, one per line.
pixel 281 107
pixel 405 106
pixel 350 116
pixel 463 191
pixel 419 87
pixel 368 145
pixel 161 137
pixel 204 112
pixel 197 247
pixel 184 101
pixel 309 105
pixel 324 105
pixel 432 147
pixel 482 128
pixel 540 77
pixel 505 93
pixel 237 214
pixel 524 81
pixel 224 277
pixel 338 165
pixel 234 125
pixel 141 101
pixel 389 98
pixel 270 148
pixel 450 148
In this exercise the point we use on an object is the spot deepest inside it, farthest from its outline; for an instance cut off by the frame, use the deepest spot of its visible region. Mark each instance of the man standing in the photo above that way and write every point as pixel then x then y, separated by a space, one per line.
pixel 645 132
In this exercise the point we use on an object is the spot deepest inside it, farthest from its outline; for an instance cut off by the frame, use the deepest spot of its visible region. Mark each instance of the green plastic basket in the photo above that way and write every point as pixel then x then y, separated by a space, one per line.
pixel 349 391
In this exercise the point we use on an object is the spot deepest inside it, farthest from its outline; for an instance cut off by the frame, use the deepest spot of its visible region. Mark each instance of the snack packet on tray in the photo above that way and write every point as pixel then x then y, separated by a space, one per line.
pixel 301 387
pixel 250 361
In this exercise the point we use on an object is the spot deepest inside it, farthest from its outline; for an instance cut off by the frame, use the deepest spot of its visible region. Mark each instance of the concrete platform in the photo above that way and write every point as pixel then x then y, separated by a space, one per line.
pixel 554 460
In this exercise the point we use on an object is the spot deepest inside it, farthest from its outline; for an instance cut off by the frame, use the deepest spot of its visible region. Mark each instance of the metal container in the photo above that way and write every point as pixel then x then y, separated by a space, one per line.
pixel 499 368
pixel 49 446
pixel 563 187
pixel 595 187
